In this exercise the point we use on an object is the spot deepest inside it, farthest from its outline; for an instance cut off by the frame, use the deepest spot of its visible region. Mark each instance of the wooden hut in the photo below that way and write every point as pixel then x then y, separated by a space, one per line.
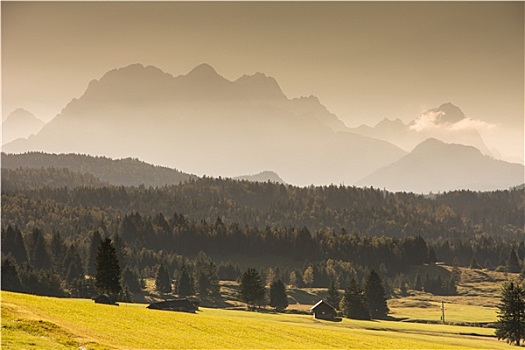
pixel 324 311
pixel 179 304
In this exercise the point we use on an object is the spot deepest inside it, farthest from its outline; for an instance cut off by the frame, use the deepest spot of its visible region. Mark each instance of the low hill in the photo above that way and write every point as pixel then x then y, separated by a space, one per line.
pixel 436 166
pixel 119 172
pixel 51 323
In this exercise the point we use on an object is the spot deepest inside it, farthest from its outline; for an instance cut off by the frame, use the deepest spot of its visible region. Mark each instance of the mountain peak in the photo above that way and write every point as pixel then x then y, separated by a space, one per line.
pixel 433 145
pixel 450 113
pixel 203 70
pixel 260 85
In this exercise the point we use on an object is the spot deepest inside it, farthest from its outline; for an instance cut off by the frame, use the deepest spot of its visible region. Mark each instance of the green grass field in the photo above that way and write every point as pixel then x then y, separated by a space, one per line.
pixel 31 322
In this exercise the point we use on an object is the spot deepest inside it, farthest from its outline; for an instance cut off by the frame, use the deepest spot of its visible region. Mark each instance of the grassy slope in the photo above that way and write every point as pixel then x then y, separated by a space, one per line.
pixel 49 323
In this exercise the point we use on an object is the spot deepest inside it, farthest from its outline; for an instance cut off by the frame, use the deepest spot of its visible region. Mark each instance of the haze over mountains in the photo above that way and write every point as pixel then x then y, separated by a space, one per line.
pixel 437 166
pixel 203 123
pixel 447 123
pixel 20 124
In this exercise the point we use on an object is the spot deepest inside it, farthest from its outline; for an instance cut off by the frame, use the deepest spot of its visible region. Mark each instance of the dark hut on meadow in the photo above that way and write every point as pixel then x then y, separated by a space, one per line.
pixel 324 311
pixel 179 304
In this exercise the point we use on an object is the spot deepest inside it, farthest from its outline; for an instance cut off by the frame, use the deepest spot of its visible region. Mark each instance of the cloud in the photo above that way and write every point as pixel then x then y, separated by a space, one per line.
pixel 431 120
pixel 427 121
pixel 472 124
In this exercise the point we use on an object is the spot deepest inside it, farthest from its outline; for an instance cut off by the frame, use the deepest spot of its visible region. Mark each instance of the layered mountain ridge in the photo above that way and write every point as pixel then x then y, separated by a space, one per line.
pixel 205 124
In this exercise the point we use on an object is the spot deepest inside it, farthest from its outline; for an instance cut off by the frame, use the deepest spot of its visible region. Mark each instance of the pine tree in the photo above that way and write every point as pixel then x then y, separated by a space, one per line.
pixel 162 281
pixel 278 297
pixel 252 290
pixel 333 295
pixel 40 258
pixel 107 271
pixel 57 249
pixel 184 286
pixel 513 263
pixel 511 315
pixel 92 253
pixel 375 296
pixel 73 265
pixel 10 279
pixel 13 244
pixel 353 303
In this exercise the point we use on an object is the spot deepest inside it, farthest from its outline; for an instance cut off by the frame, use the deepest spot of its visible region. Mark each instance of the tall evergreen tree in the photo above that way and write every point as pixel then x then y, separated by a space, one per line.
pixel 40 258
pixel 57 249
pixel 184 285
pixel 333 295
pixel 375 296
pixel 92 253
pixel 353 303
pixel 13 244
pixel 162 281
pixel 513 263
pixel 252 290
pixel 511 315
pixel 278 297
pixel 107 272
pixel 10 279
pixel 73 265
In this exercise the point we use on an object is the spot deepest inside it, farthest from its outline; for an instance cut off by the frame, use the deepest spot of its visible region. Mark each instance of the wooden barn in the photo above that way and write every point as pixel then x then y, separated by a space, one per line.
pixel 179 304
pixel 324 311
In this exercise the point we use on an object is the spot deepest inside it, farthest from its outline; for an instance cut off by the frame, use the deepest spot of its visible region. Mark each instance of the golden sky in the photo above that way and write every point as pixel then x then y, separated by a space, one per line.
pixel 364 60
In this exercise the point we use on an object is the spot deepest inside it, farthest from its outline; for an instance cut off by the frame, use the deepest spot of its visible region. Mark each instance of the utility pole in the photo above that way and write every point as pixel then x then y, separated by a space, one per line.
pixel 442 312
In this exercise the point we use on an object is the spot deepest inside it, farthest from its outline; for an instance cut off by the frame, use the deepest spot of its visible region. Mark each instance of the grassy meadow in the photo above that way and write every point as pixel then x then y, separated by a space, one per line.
pixel 32 322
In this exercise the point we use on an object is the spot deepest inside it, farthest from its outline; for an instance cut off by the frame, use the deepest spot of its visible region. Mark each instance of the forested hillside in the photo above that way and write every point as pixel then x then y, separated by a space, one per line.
pixel 53 219
pixel 126 172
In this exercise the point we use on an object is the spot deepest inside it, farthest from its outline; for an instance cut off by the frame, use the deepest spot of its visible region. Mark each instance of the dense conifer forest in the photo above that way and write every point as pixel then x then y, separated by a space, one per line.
pixel 53 219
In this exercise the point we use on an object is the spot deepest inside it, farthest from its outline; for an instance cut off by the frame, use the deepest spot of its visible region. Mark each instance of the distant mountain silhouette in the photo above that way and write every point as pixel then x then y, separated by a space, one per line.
pixel 264 176
pixel 20 124
pixel 205 124
pixel 436 123
pixel 120 172
pixel 436 166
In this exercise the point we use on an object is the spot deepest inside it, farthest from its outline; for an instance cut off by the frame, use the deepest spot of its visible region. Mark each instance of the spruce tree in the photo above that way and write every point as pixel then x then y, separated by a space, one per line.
pixel 511 315
pixel 333 295
pixel 353 303
pixel 513 263
pixel 252 290
pixel 278 297
pixel 92 253
pixel 375 296
pixel 184 286
pixel 9 278
pixel 40 258
pixel 162 281
pixel 107 271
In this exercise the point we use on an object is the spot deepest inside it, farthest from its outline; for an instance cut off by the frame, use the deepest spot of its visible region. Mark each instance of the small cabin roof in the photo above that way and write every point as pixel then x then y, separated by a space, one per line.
pixel 323 304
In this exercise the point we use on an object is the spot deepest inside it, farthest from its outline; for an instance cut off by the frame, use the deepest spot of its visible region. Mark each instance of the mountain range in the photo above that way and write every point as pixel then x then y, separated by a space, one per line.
pixel 205 124
pixel 446 123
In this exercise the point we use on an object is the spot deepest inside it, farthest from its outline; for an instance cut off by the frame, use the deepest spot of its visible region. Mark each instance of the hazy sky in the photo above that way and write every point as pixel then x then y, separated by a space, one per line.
pixel 364 60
